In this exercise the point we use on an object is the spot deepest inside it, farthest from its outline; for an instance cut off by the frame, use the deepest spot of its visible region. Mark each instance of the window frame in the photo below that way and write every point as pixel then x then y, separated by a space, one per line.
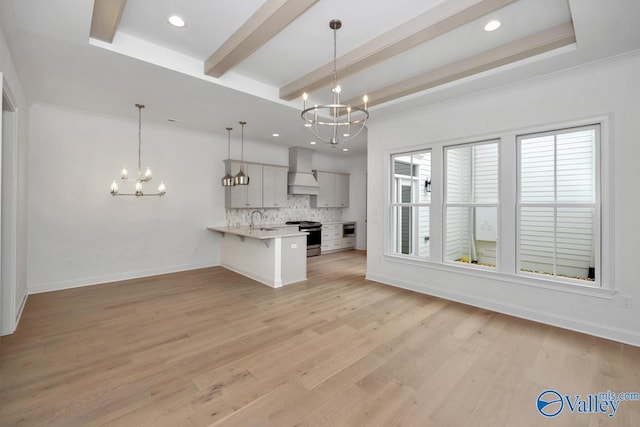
pixel 392 246
pixel 597 204
pixel 506 271
pixel 470 205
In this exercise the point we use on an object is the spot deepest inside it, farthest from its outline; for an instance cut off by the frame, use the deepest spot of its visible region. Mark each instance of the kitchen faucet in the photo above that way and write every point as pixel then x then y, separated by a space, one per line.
pixel 251 226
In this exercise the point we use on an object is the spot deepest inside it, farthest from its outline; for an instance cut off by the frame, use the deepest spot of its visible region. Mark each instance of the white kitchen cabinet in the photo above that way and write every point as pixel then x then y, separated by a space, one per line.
pixel 341 190
pixel 331 238
pixel 324 199
pixel 245 196
pixel 274 186
pixel 333 191
pixel 348 243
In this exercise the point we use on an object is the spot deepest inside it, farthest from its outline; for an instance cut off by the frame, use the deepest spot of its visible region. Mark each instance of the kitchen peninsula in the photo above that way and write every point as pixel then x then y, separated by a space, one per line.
pixel 275 256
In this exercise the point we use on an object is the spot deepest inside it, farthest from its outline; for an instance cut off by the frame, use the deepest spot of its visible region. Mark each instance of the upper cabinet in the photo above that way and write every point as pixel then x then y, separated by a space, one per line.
pixel 274 186
pixel 333 192
pixel 267 187
pixel 341 187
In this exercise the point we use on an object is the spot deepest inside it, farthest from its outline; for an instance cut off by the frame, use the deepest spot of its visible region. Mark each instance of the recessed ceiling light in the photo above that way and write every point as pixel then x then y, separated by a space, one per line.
pixel 176 21
pixel 345 149
pixel 312 143
pixel 275 134
pixel 492 25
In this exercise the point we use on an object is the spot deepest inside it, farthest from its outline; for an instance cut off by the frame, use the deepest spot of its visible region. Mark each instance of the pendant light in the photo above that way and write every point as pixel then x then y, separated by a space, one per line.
pixel 241 178
pixel 227 180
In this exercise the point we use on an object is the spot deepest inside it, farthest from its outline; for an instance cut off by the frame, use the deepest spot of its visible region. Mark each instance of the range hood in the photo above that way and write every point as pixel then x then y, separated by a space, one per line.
pixel 301 180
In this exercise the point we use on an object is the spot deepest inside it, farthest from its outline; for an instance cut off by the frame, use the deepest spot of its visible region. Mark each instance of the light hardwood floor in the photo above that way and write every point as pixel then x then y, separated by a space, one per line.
pixel 210 347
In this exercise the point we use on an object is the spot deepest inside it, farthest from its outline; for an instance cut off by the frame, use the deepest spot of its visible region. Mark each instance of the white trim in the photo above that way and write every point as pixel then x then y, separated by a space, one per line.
pixel 253 276
pixel 21 308
pixel 596 205
pixel 10 309
pixel 109 278
pixel 625 336
pixel 473 270
pixel 510 268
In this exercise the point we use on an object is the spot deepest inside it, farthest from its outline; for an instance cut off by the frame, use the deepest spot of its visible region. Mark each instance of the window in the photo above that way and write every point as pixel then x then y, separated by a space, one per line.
pixel 410 203
pixel 558 204
pixel 527 207
pixel 471 204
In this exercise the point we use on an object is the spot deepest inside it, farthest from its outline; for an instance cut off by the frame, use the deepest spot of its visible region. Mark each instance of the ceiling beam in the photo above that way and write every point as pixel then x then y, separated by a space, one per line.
pixel 266 22
pixel 544 41
pixel 106 18
pixel 435 22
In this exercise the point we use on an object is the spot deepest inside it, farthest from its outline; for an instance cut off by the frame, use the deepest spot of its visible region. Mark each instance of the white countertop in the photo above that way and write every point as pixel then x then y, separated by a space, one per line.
pixel 260 232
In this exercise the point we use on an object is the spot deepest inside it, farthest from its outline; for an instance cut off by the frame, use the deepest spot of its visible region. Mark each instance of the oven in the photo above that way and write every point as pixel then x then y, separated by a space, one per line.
pixel 349 229
pixel 314 238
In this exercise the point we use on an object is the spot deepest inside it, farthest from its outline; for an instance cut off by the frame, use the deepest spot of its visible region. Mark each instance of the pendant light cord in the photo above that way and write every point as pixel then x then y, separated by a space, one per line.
pixel 335 50
pixel 242 146
pixel 140 107
pixel 229 150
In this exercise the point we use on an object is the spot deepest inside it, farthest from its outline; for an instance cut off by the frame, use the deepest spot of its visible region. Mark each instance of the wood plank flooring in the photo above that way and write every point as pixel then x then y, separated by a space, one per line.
pixel 210 347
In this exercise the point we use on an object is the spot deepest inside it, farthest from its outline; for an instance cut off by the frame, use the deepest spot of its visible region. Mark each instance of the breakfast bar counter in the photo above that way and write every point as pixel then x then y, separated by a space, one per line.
pixel 274 256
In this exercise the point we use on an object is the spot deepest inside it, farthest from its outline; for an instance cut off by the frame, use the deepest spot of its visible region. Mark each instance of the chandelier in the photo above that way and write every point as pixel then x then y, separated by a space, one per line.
pixel 142 177
pixel 344 122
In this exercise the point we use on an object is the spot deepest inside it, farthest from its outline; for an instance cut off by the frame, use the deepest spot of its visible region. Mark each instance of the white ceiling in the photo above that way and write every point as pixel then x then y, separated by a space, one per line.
pixel 151 62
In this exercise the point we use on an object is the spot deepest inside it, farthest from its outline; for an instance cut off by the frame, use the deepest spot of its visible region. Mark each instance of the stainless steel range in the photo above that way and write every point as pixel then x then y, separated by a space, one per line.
pixel 314 238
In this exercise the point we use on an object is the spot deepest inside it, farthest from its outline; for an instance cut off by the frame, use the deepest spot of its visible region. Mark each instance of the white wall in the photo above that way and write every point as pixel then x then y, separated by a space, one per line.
pixel 11 82
pixel 356 166
pixel 606 88
pixel 79 234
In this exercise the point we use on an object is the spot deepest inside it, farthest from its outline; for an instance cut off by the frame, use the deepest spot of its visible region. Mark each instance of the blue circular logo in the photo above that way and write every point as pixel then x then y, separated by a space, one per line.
pixel 550 403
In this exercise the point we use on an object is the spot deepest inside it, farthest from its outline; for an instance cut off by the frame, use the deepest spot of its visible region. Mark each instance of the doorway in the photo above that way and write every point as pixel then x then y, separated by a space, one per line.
pixel 8 212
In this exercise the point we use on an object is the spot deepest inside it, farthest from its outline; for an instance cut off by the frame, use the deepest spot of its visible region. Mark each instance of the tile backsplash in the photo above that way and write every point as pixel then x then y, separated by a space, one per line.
pixel 298 209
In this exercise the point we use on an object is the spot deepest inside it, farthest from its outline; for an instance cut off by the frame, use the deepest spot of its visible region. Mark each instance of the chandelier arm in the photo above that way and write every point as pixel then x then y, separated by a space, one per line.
pixel 139 195
pixel 356 134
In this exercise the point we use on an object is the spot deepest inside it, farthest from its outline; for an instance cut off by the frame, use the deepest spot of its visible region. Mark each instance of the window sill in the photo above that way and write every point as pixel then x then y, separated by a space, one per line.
pixel 489 273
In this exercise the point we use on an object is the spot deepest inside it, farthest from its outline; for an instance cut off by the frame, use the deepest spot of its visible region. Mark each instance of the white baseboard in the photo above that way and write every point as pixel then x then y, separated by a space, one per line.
pixel 109 278
pixel 625 336
pixel 253 276
pixel 21 308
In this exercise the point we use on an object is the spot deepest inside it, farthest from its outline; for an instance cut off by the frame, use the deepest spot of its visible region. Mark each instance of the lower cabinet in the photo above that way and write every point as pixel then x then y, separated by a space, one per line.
pixel 333 240
pixel 348 243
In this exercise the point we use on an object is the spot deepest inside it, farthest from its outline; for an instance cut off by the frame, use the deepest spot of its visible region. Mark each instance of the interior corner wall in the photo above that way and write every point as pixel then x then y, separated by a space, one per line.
pixel 356 167
pixel 79 234
pixel 609 88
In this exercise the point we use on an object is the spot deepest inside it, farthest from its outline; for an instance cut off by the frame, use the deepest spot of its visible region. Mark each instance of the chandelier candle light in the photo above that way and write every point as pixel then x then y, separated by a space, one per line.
pixel 347 121
pixel 146 177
